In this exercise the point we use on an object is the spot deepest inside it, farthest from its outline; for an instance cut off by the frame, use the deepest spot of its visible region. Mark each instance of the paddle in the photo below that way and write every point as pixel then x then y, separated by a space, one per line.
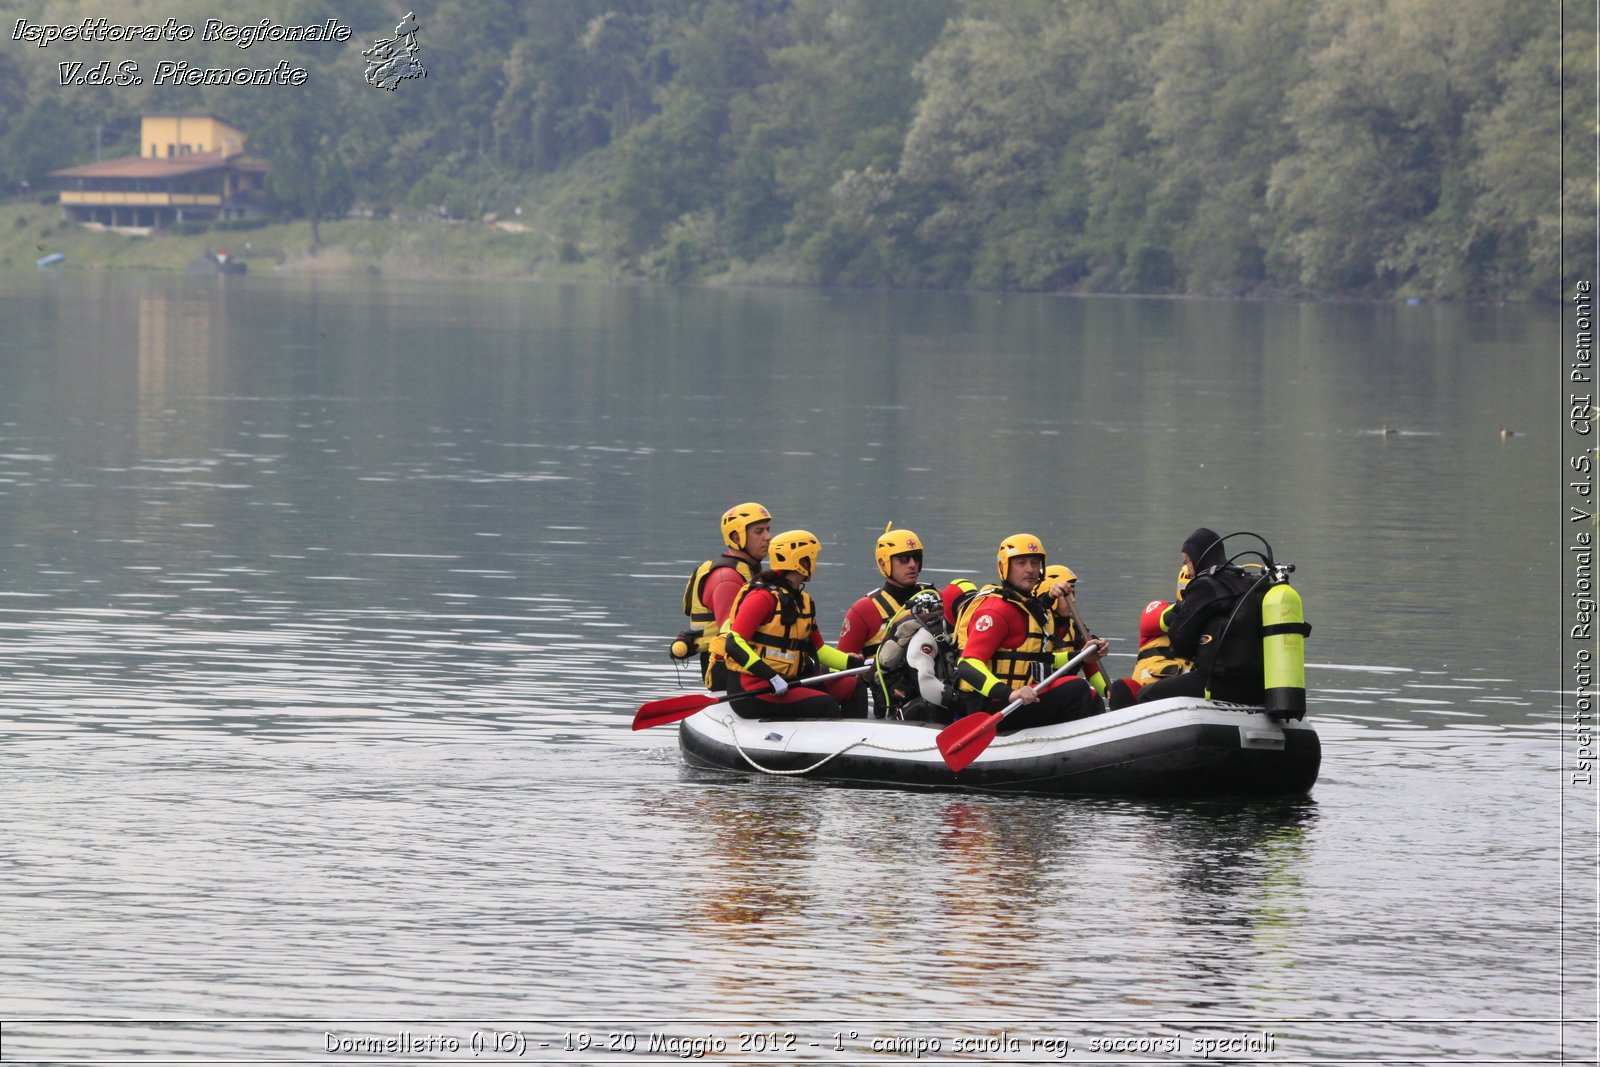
pixel 965 739
pixel 671 709
pixel 1093 665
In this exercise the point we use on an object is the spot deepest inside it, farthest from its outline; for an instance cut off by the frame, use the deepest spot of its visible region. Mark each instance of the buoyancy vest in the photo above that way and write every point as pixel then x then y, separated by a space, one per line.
pixel 700 614
pixel 888 607
pixel 1155 660
pixel 1019 666
pixel 783 642
pixel 710 642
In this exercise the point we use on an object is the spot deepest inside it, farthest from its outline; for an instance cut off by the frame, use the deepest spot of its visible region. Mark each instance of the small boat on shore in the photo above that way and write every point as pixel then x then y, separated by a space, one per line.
pixel 216 261
pixel 1179 747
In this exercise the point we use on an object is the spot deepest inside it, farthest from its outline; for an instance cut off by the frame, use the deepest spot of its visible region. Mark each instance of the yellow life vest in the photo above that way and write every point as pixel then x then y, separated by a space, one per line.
pixel 888 607
pixel 1068 643
pixel 710 643
pixel 784 641
pixel 1019 666
pixel 694 605
pixel 1157 661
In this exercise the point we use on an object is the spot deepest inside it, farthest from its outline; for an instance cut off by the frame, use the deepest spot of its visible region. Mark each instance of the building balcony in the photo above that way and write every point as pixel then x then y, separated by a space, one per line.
pixel 96 198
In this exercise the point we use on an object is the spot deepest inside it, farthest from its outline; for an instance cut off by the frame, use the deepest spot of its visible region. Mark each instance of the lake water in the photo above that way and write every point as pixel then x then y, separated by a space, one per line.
pixel 325 606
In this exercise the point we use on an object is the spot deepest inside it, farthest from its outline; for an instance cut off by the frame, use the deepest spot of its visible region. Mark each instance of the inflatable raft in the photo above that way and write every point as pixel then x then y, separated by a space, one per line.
pixel 1179 747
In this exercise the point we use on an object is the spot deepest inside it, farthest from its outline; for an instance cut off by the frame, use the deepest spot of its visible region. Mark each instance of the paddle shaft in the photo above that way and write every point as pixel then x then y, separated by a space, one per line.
pixel 1083 628
pixel 863 669
pixel 671 709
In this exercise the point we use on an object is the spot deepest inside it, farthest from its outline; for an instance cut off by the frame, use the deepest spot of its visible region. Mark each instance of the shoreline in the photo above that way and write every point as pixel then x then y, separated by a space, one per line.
pixel 440 249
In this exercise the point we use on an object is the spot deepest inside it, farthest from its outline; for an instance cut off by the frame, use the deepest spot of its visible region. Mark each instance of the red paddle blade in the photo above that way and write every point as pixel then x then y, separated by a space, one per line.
pixel 670 709
pixel 965 739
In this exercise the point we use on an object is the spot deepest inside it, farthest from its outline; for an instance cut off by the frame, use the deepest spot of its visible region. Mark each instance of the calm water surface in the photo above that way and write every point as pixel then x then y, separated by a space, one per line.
pixel 325 606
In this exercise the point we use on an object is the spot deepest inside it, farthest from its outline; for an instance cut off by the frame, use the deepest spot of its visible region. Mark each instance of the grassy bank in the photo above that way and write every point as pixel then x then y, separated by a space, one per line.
pixel 419 248
pixel 556 235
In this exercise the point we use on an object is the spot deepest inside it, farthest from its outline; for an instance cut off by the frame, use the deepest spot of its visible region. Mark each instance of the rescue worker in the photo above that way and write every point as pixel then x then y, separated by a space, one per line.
pixel 1059 589
pixel 708 597
pixel 916 663
pixel 1211 628
pixel 1006 635
pixel 899 558
pixel 1155 660
pixel 773 639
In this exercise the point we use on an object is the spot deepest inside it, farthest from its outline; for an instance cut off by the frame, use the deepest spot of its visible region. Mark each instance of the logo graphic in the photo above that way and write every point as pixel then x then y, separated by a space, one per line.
pixel 983 624
pixel 392 61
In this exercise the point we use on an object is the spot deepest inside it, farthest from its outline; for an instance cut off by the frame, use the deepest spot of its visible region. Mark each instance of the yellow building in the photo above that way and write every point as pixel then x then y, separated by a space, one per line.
pixel 190 167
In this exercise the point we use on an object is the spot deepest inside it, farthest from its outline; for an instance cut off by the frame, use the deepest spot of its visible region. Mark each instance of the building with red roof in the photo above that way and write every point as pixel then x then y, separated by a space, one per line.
pixel 190 168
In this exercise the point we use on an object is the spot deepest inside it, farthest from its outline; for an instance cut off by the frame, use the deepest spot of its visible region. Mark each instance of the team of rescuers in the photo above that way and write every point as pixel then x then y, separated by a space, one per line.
pixel 937 654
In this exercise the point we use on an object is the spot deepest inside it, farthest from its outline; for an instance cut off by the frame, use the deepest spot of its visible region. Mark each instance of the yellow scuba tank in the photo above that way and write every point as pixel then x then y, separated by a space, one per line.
pixel 1283 648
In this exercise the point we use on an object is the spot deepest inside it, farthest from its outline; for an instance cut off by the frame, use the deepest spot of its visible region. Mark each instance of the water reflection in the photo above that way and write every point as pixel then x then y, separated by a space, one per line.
pixel 989 878
pixel 760 842
pixel 1231 881
pixel 997 901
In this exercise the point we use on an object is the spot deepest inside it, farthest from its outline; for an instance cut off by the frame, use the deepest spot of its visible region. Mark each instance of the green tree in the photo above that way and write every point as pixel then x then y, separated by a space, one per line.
pixel 840 101
pixel 1580 141
pixel 678 162
pixel 1220 75
pixel 1376 196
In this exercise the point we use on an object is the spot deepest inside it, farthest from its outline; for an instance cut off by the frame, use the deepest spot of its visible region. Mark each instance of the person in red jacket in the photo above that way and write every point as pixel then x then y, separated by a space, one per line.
pixel 1006 636
pixel 773 640
pixel 899 558
pixel 1059 590
pixel 708 596
pixel 1155 660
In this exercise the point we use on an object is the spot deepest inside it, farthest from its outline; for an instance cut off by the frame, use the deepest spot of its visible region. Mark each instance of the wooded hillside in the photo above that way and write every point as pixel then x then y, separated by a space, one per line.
pixel 1374 148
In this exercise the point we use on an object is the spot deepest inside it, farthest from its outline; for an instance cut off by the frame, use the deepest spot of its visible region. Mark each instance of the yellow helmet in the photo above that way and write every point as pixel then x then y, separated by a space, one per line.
pixel 739 518
pixel 1185 574
pixel 1017 545
pixel 1054 573
pixel 795 550
pixel 895 543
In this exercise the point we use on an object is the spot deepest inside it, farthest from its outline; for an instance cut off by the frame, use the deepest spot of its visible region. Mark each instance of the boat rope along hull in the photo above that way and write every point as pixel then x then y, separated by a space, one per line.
pixel 1177 747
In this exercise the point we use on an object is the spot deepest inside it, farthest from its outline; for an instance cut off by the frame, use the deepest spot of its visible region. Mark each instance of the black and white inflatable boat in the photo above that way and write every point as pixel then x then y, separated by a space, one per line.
pixel 1178 747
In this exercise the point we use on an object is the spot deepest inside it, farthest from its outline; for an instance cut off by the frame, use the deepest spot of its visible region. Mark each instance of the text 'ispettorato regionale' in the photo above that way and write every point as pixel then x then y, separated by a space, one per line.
pixel 102 30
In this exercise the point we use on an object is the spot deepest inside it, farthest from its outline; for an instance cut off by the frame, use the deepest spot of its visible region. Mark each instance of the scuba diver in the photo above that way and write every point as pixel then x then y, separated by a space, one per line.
pixel 1241 627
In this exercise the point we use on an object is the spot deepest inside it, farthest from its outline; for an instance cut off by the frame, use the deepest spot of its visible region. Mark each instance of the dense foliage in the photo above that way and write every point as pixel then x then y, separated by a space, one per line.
pixel 1331 147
